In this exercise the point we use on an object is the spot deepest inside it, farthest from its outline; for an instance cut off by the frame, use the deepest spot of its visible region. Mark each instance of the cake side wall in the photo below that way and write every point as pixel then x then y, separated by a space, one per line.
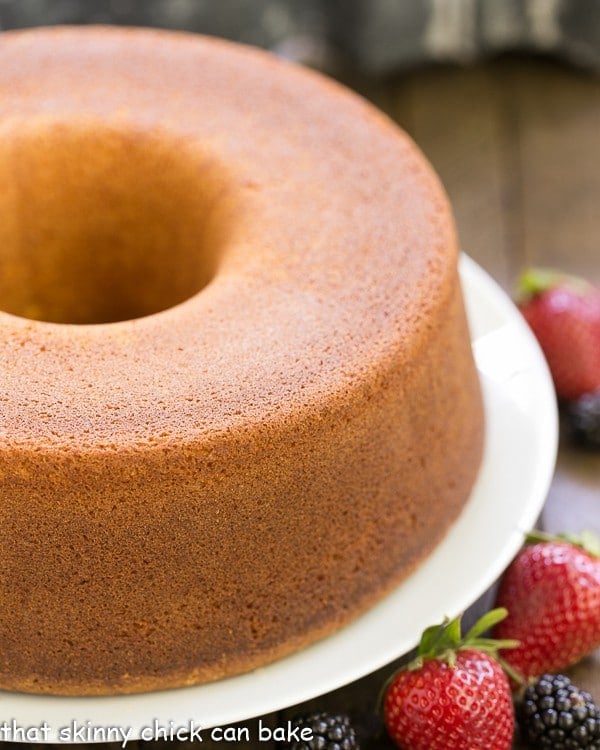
pixel 222 559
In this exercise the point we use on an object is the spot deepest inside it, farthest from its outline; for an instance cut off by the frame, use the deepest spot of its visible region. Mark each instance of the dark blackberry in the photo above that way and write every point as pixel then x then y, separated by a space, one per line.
pixel 555 714
pixel 583 420
pixel 328 732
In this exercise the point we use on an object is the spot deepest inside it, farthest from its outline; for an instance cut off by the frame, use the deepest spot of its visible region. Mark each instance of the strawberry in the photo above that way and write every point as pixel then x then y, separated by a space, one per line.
pixel 552 593
pixel 454 694
pixel 564 314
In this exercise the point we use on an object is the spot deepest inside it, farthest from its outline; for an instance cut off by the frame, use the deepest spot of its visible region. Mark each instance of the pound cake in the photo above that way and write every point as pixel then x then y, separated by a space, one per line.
pixel 238 400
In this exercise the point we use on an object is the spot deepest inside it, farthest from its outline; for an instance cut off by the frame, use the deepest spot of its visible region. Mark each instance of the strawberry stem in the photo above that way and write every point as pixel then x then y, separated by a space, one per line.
pixel 487 622
pixel 536 281
pixel 513 673
pixel 441 642
pixel 587 540
pixel 444 640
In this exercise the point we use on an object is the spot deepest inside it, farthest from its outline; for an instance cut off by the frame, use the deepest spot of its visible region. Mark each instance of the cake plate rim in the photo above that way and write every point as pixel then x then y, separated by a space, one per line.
pixel 521 434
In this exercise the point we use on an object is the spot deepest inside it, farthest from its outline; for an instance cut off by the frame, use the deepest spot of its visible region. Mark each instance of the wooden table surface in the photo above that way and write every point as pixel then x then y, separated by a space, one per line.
pixel 517 144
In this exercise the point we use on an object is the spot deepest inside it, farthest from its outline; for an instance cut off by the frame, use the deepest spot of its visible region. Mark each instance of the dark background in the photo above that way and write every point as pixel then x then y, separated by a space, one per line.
pixel 375 35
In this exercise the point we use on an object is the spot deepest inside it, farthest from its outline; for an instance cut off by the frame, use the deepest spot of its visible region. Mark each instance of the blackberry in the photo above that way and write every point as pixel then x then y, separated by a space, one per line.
pixel 555 714
pixel 583 420
pixel 328 732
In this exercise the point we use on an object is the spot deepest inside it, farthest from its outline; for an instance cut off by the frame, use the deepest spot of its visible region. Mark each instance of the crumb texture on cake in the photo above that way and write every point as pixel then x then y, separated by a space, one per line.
pixel 238 402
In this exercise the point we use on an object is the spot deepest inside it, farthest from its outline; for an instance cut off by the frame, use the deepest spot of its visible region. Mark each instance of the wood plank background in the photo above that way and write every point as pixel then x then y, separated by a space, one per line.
pixel 517 145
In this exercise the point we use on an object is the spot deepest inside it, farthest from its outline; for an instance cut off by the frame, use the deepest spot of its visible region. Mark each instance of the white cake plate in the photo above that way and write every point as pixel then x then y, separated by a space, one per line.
pixel 519 461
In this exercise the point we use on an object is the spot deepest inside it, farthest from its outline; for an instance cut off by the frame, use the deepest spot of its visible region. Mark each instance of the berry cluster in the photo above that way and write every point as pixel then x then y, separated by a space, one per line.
pixel 455 693
pixel 564 314
pixel 327 732
pixel 555 714
pixel 583 420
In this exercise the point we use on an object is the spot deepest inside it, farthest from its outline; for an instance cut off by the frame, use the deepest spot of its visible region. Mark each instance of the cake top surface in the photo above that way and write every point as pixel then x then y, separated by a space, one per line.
pixel 211 237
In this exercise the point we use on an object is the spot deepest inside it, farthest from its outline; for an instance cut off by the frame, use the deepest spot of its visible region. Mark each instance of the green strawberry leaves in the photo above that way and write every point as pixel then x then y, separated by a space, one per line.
pixel 444 640
pixel 536 281
pixel 587 540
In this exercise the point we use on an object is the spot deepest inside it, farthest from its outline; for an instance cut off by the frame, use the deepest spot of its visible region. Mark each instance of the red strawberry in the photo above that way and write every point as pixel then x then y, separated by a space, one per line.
pixel 454 695
pixel 564 314
pixel 552 593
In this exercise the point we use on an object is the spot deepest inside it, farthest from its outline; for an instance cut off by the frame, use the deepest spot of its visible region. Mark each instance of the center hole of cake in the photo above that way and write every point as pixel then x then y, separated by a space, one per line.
pixel 101 225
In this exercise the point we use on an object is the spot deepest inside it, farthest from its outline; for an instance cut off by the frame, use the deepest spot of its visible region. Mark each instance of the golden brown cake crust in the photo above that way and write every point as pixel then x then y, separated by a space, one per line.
pixel 223 477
